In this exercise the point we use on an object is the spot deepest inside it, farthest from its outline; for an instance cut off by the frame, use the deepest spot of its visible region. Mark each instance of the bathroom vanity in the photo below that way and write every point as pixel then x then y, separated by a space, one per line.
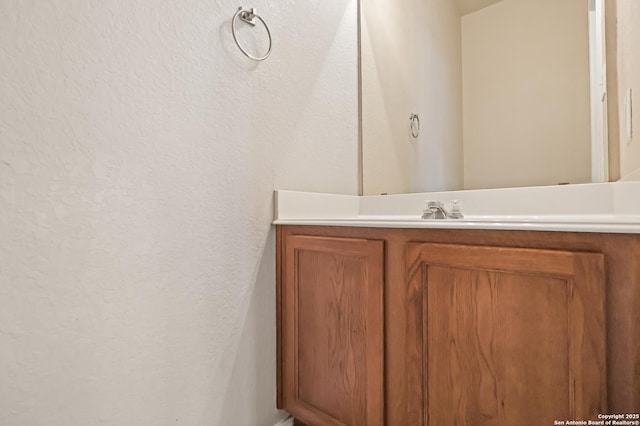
pixel 489 320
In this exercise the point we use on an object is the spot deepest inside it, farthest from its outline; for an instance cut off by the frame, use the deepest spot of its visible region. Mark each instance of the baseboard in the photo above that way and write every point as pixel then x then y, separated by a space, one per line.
pixel 285 422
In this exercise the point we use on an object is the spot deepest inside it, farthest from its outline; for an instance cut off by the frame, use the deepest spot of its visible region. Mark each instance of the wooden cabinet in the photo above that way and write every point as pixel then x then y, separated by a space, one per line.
pixel 450 327
pixel 331 330
pixel 509 335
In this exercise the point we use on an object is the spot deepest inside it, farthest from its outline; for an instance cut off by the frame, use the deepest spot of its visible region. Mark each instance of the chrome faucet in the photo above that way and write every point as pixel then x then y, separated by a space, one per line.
pixel 436 210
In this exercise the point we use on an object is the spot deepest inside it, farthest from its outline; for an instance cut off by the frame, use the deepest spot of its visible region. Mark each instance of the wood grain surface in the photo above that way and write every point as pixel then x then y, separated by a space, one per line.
pixel 404 300
pixel 506 336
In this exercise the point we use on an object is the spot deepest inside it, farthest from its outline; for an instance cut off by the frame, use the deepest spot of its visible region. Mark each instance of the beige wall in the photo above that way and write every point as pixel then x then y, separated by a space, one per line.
pixel 628 56
pixel 470 6
pixel 526 94
pixel 139 150
pixel 411 62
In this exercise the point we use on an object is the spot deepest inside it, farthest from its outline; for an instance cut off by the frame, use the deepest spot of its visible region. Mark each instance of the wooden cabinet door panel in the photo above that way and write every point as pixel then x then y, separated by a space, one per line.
pixel 510 336
pixel 333 326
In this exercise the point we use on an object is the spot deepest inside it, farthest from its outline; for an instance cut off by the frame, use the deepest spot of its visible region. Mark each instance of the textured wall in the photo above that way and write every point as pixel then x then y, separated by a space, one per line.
pixel 138 154
pixel 411 62
pixel 629 77
pixel 525 67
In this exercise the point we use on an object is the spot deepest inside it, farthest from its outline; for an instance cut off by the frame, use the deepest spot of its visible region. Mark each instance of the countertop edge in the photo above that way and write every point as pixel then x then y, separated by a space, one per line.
pixel 606 228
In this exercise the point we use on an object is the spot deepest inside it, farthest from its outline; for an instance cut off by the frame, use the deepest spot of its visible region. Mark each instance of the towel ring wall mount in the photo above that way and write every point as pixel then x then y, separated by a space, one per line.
pixel 249 16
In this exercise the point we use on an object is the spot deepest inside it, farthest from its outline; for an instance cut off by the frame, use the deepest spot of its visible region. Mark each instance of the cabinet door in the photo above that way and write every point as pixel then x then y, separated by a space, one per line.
pixel 332 322
pixel 510 336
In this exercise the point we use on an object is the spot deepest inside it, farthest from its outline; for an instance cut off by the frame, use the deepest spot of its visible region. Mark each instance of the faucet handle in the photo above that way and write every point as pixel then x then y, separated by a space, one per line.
pixel 456 209
pixel 428 209
pixel 433 209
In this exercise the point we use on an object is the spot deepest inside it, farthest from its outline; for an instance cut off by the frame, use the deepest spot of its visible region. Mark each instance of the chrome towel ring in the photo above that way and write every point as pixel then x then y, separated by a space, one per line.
pixel 249 16
pixel 414 125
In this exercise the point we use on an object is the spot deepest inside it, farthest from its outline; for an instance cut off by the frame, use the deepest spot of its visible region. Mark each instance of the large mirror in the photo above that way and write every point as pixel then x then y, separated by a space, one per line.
pixel 507 93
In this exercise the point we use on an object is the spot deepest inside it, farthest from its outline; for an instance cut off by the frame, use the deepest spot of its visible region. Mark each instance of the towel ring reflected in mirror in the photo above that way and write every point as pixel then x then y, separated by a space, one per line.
pixel 414 125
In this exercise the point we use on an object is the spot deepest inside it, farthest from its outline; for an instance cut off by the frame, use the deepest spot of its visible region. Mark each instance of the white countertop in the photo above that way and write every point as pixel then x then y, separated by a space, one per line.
pixel 602 208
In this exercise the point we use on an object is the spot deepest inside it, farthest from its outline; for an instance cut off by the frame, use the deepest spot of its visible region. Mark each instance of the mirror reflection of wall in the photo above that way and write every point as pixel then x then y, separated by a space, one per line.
pixel 526 94
pixel 626 52
pixel 411 62
pixel 502 89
